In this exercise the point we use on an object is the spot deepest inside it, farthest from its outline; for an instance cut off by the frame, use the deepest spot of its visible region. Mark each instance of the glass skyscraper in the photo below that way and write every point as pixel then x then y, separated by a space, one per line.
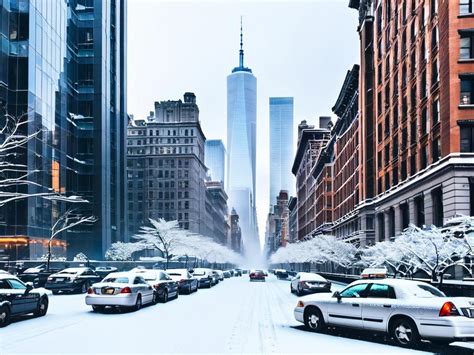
pixel 215 159
pixel 63 64
pixel 241 150
pixel 281 146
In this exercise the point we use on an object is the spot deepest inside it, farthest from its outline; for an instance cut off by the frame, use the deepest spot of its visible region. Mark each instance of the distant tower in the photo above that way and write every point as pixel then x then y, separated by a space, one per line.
pixel 281 146
pixel 241 149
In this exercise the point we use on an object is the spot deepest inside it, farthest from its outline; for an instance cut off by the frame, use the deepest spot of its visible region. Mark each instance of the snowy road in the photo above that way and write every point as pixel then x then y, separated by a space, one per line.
pixel 236 316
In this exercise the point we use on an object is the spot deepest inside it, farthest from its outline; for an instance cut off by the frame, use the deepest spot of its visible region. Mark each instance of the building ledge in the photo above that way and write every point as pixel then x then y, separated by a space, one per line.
pixel 466 107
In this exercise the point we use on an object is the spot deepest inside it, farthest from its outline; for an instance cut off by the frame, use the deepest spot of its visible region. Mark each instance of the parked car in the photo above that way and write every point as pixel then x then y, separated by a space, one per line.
pixel 308 282
pixel 18 298
pixel 164 286
pixel 72 280
pixel 227 274
pixel 281 274
pixel 103 271
pixel 257 275
pixel 237 272
pixel 37 275
pixel 220 273
pixel 122 290
pixel 204 277
pixel 215 277
pixel 405 309
pixel 187 283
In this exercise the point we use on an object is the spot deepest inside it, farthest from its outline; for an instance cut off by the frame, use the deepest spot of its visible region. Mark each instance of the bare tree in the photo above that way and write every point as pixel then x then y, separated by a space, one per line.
pixel 68 220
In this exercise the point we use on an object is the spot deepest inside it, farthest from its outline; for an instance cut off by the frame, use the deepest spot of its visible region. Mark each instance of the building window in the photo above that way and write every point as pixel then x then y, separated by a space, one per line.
pixel 436 150
pixel 467 139
pixel 379 133
pixel 434 72
pixel 466 47
pixel 387 154
pixel 424 121
pixel 379 160
pixel 391 221
pixel 381 226
pixel 403 170
pixel 438 213
pixel 413 132
pixel 413 164
pixel 434 37
pixel 423 85
pixel 419 211
pixel 467 90
pixel 423 157
pixel 435 111
pixel 466 7
pixel 404 215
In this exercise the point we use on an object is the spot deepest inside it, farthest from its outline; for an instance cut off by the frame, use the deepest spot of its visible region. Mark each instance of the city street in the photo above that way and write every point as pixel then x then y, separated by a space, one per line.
pixel 236 316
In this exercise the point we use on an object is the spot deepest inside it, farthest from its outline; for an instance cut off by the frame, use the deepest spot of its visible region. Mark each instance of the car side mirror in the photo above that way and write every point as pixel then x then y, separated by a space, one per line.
pixel 337 295
pixel 28 289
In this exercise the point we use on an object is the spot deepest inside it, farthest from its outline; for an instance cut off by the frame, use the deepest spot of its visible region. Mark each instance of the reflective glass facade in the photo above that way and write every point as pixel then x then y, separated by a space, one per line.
pixel 281 146
pixel 63 62
pixel 241 152
pixel 215 159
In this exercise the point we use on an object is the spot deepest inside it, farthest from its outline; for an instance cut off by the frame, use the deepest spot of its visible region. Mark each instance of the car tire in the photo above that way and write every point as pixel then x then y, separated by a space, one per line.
pixel 164 299
pixel 85 287
pixel 291 289
pixel 313 320
pixel 154 299
pixel 4 316
pixel 177 295
pixel 98 309
pixel 299 292
pixel 190 290
pixel 404 332
pixel 42 307
pixel 138 303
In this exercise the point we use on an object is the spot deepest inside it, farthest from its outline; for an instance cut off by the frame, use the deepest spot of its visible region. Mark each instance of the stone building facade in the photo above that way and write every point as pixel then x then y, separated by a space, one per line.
pixel 166 174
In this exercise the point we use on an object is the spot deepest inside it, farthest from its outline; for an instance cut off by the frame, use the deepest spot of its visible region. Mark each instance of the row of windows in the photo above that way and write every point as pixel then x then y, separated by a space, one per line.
pixel 162 150
pixel 160 141
pixel 162 132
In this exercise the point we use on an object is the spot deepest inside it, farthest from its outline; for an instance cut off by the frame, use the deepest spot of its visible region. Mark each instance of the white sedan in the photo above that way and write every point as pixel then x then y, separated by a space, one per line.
pixel 308 282
pixel 121 289
pixel 407 310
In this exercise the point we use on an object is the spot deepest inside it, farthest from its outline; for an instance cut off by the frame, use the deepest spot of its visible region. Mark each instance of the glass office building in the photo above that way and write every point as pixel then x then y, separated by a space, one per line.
pixel 241 149
pixel 281 146
pixel 63 64
pixel 215 159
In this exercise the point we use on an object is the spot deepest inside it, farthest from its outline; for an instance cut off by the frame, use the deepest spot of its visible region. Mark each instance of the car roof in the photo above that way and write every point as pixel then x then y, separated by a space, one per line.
pixel 391 282
pixel 312 275
pixel 8 276
pixel 75 269
pixel 123 274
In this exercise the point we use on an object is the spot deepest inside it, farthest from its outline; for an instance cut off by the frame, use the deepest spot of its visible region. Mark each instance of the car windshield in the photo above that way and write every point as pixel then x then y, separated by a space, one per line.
pixel 119 280
pixel 69 272
pixel 424 291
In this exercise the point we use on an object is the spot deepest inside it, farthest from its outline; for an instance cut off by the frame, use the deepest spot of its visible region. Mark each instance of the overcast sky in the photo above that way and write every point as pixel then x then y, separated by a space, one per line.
pixel 295 48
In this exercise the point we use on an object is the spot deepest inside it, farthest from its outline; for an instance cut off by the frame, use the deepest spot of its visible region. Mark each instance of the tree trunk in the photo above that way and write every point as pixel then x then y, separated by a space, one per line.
pixel 434 277
pixel 49 255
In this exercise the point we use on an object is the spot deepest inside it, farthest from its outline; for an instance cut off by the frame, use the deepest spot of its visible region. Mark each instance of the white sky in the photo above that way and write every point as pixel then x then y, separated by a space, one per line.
pixel 295 48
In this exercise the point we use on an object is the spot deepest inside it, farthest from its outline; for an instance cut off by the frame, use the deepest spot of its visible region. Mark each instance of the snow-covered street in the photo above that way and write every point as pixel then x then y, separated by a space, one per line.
pixel 236 316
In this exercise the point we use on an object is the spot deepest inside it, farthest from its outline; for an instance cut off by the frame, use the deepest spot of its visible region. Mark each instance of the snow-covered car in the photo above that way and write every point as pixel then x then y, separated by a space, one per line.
pixel 220 273
pixel 77 279
pixel 103 271
pixel 281 274
pixel 407 310
pixel 237 272
pixel 308 282
pixel 164 286
pixel 215 277
pixel 121 289
pixel 257 275
pixel 227 274
pixel 204 277
pixel 37 275
pixel 187 283
pixel 18 298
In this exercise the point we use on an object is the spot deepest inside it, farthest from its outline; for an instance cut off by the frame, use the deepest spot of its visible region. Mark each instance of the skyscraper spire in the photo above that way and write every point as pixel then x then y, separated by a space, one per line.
pixel 241 52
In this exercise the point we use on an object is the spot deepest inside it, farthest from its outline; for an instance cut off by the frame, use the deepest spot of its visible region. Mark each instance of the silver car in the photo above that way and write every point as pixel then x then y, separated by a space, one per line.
pixel 407 310
pixel 122 290
pixel 308 282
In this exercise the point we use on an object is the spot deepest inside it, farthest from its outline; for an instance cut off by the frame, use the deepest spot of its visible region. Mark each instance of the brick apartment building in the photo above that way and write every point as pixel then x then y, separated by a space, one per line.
pixel 402 148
